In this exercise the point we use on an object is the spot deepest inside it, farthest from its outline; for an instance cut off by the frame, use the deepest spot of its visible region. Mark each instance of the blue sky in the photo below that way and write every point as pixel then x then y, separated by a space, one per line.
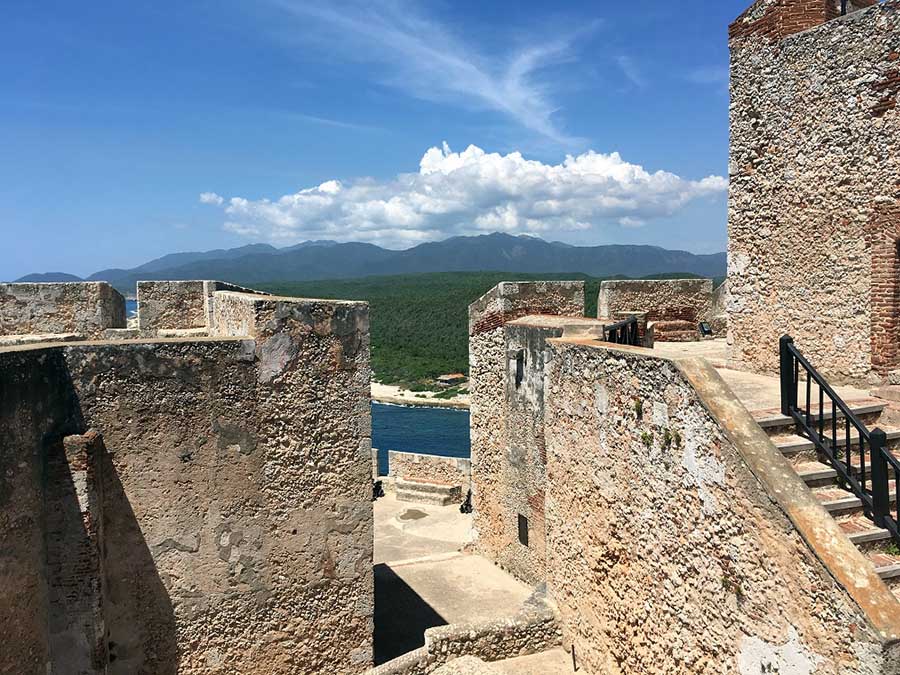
pixel 298 121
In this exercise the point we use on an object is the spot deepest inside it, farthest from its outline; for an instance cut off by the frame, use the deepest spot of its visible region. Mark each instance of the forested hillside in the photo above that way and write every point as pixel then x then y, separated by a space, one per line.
pixel 419 322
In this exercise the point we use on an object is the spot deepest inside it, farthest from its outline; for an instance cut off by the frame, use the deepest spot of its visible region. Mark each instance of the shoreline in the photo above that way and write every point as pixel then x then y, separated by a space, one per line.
pixel 386 393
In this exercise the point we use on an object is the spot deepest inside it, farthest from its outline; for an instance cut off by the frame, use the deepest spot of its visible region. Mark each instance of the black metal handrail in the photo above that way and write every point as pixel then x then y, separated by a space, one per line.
pixel 868 483
pixel 623 333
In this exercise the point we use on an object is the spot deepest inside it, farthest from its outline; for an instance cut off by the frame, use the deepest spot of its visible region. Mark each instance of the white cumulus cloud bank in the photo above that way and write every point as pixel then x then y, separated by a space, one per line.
pixel 470 192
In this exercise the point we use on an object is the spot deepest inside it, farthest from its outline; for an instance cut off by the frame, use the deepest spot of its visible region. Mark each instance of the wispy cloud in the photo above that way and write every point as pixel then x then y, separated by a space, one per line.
pixel 423 57
pixel 471 192
pixel 631 71
pixel 714 75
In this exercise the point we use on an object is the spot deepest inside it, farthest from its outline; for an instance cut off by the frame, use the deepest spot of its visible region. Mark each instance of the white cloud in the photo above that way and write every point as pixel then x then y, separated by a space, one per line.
pixel 471 192
pixel 426 59
pixel 211 198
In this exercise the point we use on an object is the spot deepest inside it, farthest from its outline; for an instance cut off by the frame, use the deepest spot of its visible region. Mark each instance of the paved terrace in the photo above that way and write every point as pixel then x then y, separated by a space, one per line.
pixel 760 394
pixel 422 579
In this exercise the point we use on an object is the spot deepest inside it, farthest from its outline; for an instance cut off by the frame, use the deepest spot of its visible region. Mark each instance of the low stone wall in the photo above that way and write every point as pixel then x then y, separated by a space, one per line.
pixel 171 304
pixel 86 309
pixel 679 538
pixel 534 629
pixel 661 300
pixel 236 499
pixel 412 466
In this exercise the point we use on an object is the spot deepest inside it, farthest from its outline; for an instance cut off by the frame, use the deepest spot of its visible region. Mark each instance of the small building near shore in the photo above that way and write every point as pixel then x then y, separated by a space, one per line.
pixel 451 379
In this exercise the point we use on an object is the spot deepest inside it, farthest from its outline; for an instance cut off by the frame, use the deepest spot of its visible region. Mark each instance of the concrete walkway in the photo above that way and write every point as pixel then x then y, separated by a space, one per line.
pixel 758 393
pixel 553 662
pixel 406 531
pixel 422 580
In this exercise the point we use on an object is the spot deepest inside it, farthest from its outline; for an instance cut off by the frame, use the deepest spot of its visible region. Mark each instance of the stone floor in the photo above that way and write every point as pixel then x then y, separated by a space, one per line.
pixel 553 662
pixel 758 393
pixel 422 580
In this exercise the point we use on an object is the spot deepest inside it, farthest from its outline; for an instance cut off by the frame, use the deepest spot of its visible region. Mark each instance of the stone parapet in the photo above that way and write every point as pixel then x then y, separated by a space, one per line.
pixel 669 508
pixel 86 309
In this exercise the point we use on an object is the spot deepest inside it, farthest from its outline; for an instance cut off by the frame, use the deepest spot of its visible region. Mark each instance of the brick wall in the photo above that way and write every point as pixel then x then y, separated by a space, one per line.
pixel 777 19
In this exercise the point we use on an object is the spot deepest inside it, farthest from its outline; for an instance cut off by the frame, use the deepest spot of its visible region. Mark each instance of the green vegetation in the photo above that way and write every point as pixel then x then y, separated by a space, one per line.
pixel 419 322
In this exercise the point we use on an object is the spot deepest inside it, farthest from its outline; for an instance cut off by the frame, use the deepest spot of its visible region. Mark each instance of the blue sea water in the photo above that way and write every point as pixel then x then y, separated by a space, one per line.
pixel 130 308
pixel 433 431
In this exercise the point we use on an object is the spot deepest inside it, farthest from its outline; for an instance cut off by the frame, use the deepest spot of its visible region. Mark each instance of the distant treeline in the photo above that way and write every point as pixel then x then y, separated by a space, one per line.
pixel 419 322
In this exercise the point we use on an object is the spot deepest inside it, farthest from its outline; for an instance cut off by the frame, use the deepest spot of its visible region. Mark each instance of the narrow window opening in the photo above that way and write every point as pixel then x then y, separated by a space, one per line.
pixel 520 367
pixel 523 530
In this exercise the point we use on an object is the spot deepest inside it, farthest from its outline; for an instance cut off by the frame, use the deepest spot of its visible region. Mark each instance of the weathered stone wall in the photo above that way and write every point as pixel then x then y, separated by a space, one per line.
pixel 83 308
pixel 533 629
pixel 813 213
pixel 236 495
pixel 35 407
pixel 413 466
pixel 660 299
pixel 719 314
pixel 171 304
pixel 488 372
pixel 670 549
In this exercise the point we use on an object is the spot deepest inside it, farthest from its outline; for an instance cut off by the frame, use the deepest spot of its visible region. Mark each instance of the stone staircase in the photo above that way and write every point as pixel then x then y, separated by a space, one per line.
pixel 426 492
pixel 875 543
pixel 675 331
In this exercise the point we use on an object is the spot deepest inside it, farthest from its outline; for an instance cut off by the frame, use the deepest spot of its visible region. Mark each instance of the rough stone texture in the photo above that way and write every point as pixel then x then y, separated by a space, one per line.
pixel 660 300
pixel 35 405
pixel 488 374
pixel 73 519
pixel 411 466
pixel 665 552
pixel 718 319
pixel 171 304
pixel 84 308
pixel 533 629
pixel 236 489
pixel 814 174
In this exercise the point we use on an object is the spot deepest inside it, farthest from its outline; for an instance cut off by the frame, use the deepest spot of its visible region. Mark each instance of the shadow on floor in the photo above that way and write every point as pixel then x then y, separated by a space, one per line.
pixel 401 616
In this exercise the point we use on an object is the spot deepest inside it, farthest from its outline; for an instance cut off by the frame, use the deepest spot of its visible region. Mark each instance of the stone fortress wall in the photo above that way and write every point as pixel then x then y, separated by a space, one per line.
pixel 488 373
pixel 678 539
pixel 226 481
pixel 654 506
pixel 814 217
pixel 84 309
pixel 660 299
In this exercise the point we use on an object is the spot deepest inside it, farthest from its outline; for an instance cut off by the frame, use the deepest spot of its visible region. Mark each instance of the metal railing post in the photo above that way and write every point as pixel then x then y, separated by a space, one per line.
pixel 881 501
pixel 786 367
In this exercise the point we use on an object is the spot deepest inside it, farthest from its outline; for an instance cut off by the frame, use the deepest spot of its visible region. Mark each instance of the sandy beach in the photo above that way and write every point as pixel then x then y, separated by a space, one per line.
pixel 386 393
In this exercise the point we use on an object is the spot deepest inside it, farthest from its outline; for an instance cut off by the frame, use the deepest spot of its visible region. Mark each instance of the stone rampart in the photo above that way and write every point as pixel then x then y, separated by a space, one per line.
pixel 688 300
pixel 411 466
pixel 533 629
pixel 488 373
pixel 85 309
pixel 180 305
pixel 679 538
pixel 236 493
pixel 814 217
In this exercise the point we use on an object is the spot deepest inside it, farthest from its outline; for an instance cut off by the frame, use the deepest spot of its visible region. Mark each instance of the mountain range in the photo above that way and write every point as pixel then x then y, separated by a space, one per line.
pixel 323 259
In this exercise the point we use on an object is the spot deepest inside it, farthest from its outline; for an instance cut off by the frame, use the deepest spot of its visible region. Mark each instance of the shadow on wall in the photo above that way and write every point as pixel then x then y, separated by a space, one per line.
pixel 140 619
pixel 401 616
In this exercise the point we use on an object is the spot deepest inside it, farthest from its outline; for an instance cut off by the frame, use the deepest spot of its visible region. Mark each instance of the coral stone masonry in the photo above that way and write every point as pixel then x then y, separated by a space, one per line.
pixel 813 216
pixel 192 505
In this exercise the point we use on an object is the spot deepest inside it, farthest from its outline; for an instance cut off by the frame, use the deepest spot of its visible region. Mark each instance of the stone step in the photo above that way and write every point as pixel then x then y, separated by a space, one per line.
pixel 424 492
pixel 886 564
pixel 793 444
pixel 862 531
pixel 775 423
pixel 837 501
